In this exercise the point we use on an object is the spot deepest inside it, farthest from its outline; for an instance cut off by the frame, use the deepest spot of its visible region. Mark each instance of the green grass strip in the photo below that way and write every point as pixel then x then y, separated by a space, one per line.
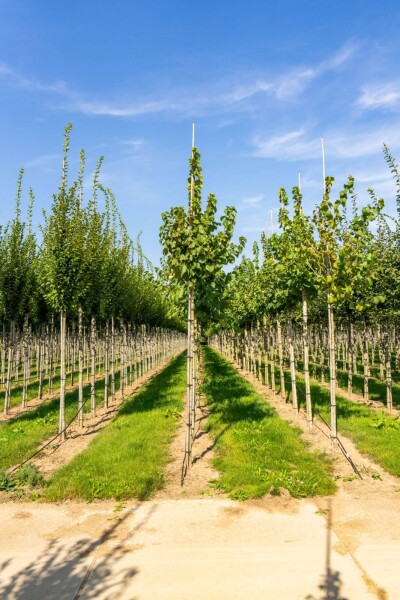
pixel 256 450
pixel 375 434
pixel 127 459
pixel 21 436
pixel 33 386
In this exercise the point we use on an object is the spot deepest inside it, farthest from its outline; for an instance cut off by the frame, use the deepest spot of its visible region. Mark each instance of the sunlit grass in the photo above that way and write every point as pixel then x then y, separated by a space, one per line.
pixel 127 459
pixel 21 436
pixel 375 434
pixel 256 451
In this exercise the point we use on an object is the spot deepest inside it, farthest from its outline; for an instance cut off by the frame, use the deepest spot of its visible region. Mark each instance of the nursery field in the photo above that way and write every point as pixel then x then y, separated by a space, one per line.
pixel 262 468
pixel 191 427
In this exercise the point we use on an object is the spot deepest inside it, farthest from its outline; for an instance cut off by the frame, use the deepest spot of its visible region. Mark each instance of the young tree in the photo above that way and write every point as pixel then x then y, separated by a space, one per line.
pixel 61 268
pixel 196 247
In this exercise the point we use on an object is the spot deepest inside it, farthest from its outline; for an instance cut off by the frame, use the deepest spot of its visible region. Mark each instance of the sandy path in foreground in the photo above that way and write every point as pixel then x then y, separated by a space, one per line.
pixel 212 549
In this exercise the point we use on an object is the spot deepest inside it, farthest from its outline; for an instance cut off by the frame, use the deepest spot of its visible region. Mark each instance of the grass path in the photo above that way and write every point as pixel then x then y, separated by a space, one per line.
pixel 256 450
pixel 127 459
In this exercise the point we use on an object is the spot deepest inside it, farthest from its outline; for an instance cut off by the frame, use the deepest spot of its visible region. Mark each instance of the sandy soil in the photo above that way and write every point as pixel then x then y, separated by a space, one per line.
pixel 190 542
pixel 194 481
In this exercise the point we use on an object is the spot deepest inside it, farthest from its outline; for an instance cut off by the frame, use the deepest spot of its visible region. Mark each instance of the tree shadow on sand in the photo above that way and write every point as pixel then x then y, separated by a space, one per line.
pixel 83 570
pixel 331 583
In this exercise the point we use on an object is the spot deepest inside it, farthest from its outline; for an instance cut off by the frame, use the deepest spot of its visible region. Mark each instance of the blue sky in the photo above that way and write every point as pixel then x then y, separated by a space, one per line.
pixel 264 81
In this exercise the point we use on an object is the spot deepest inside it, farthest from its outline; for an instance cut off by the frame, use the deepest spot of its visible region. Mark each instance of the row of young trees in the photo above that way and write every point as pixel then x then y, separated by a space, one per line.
pixel 336 272
pixel 84 272
pixel 196 247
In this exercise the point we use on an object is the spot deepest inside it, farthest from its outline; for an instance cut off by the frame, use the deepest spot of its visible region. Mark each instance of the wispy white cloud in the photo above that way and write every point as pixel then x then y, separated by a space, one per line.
pixel 133 143
pixel 243 91
pixel 46 162
pixel 371 177
pixel 293 82
pixel 129 110
pixel 359 143
pixel 290 145
pixel 303 144
pixel 26 83
pixel 235 96
pixel 253 200
pixel 380 96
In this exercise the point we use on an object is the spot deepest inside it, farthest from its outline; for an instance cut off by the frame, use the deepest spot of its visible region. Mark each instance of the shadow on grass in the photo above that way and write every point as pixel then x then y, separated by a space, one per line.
pixel 211 446
pixel 228 390
pixel 155 393
pixel 377 389
pixel 21 436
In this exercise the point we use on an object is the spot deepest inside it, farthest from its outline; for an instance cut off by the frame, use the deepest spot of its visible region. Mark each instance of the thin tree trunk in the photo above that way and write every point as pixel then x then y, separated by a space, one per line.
pixel 280 352
pixel 189 381
pixel 11 341
pixel 80 368
pixel 389 392
pixel 3 356
pixel 332 370
pixel 365 361
pixel 292 366
pixel 106 366
pixel 305 358
pixel 112 358
pixel 350 336
pixel 93 366
pixel 63 326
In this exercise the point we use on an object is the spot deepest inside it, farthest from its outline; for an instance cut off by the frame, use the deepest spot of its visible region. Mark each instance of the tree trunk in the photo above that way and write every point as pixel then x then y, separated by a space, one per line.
pixel 80 368
pixel 189 381
pixel 365 361
pixel 280 352
pixel 305 358
pixel 11 341
pixel 63 325
pixel 93 366
pixel 292 366
pixel 350 336
pixel 389 393
pixel 332 370
pixel 112 358
pixel 106 366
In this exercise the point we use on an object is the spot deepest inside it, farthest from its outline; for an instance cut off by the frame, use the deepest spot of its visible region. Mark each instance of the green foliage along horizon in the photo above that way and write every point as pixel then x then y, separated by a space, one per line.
pixel 85 258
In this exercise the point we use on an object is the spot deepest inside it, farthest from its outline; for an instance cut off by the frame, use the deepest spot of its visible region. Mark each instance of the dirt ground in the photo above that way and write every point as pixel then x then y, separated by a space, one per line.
pixel 191 542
